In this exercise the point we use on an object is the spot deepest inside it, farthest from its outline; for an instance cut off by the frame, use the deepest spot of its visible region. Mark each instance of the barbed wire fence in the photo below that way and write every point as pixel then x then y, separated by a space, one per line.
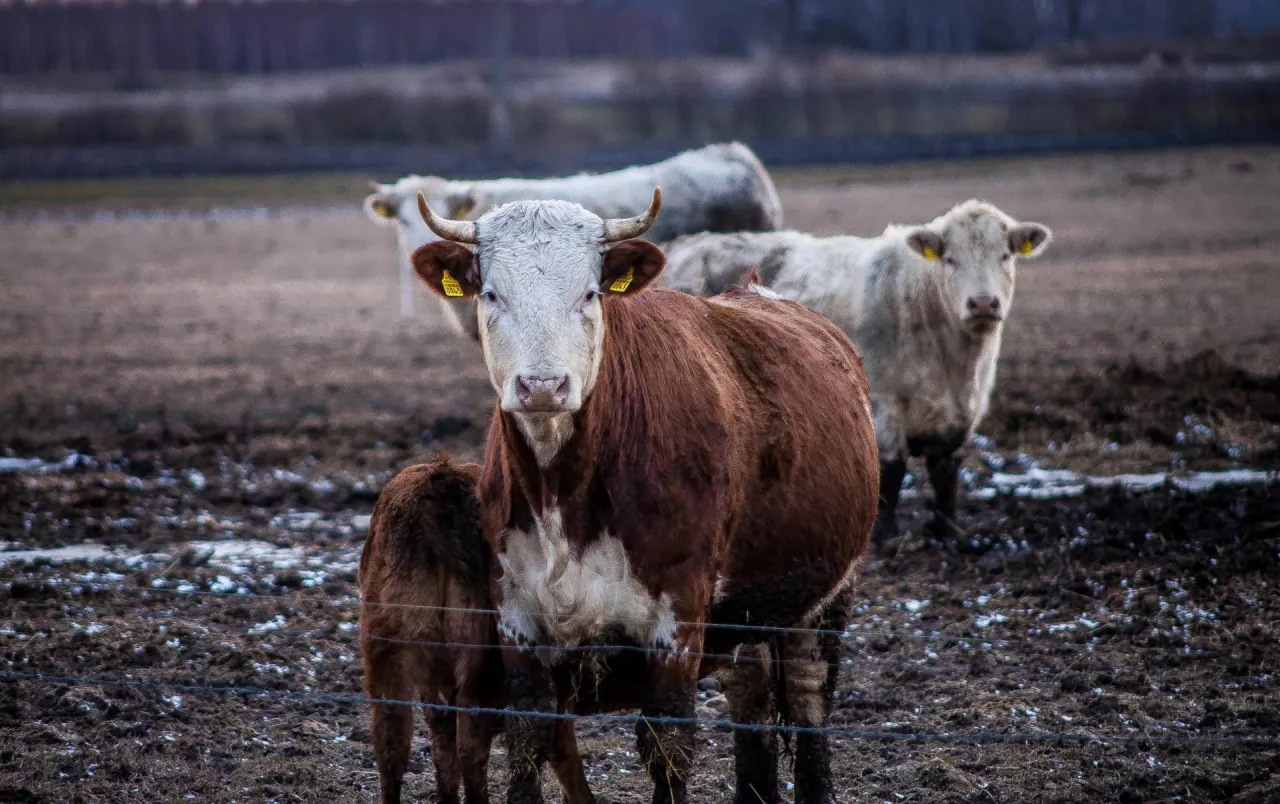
pixel 86 591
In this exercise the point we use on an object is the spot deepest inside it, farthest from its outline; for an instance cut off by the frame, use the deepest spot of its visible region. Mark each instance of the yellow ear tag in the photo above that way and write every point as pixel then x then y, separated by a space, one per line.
pixel 383 211
pixel 929 253
pixel 450 285
pixel 621 284
pixel 462 211
pixel 1027 248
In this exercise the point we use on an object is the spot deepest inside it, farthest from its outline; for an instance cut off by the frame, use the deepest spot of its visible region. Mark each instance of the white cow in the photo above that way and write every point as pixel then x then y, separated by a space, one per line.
pixel 925 305
pixel 718 188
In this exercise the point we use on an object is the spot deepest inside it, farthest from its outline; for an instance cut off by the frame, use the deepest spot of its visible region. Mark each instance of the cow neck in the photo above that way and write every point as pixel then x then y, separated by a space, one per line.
pixel 556 483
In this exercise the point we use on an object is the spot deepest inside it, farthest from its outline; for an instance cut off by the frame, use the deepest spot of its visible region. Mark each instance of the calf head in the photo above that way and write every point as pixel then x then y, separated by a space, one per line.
pixel 975 247
pixel 540 270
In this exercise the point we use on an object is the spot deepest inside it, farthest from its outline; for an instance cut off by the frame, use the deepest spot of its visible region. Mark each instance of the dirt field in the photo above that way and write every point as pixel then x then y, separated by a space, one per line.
pixel 215 400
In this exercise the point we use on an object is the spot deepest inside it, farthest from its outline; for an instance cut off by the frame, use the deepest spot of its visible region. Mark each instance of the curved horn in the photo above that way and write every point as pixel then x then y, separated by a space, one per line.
pixel 616 229
pixel 373 185
pixel 457 231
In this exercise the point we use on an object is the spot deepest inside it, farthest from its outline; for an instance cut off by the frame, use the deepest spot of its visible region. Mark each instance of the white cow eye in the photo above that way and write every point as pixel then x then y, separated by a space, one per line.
pixel 949 260
pixel 489 296
pixel 1005 256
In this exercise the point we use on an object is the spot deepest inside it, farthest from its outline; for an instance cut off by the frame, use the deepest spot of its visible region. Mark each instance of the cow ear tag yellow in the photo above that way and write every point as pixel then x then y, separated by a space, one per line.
pixel 929 253
pixel 462 210
pixel 1027 248
pixel 621 284
pixel 450 285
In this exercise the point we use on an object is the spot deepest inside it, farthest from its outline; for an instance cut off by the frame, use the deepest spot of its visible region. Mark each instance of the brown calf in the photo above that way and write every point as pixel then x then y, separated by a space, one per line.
pixel 425 553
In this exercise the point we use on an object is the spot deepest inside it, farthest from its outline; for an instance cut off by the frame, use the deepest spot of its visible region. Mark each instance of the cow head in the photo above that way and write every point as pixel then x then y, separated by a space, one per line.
pixel 540 270
pixel 975 248
pixel 393 205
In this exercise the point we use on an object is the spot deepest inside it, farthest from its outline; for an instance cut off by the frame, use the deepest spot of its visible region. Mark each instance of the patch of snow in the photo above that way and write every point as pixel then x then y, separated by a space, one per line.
pixel 984 620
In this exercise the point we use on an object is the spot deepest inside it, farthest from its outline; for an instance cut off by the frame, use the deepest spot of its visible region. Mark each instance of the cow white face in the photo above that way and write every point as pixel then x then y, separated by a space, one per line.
pixel 541 270
pixel 976 248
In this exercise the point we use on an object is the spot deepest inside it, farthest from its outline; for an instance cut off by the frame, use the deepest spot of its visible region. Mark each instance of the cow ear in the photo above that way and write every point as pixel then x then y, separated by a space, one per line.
pixel 630 266
pixel 448 268
pixel 382 208
pixel 461 204
pixel 926 242
pixel 1029 239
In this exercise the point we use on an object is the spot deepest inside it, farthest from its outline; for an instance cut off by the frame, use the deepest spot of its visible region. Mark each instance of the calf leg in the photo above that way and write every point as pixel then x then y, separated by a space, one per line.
pixel 944 476
pixel 442 730
pixel 892 472
pixel 749 688
pixel 387 677
pixel 806 672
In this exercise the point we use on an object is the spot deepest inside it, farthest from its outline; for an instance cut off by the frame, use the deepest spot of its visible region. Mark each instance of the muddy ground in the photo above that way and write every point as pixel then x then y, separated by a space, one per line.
pixel 214 400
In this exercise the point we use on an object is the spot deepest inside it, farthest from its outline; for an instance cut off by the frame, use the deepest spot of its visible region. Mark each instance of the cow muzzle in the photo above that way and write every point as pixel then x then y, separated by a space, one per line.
pixel 983 313
pixel 542 393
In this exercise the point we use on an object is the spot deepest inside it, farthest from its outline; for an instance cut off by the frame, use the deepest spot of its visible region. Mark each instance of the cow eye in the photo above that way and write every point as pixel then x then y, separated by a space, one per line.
pixel 592 293
pixel 489 296
pixel 1005 256
pixel 949 260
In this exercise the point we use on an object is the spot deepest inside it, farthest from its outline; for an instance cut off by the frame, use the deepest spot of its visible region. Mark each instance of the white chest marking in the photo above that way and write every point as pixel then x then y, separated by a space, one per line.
pixel 550 597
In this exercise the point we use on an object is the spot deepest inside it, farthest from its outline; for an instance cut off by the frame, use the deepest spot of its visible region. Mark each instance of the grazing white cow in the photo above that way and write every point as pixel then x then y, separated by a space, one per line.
pixel 718 188
pixel 925 305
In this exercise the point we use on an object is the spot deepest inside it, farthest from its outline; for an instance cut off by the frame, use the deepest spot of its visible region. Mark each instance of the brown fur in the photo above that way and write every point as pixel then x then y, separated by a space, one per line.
pixel 725 437
pixel 425 548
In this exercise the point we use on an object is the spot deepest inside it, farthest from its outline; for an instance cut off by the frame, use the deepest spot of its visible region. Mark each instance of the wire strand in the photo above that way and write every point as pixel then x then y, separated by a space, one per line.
pixel 852 734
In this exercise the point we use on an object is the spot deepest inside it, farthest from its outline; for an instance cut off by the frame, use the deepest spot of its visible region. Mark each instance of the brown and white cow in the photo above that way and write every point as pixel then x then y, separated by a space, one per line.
pixel 925 306
pixel 657 462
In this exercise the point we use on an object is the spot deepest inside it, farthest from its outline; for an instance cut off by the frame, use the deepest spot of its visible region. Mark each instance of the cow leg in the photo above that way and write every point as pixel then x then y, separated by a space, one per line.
pixel 528 739
pixel 805 671
pixel 475 737
pixel 667 748
pixel 442 730
pixel 749 688
pixel 892 473
pixel 944 476
pixel 386 677
pixel 834 621
pixel 566 763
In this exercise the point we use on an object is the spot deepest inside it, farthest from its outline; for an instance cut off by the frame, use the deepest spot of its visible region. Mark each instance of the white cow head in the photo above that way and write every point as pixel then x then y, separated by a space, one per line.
pixel 540 269
pixel 393 205
pixel 976 248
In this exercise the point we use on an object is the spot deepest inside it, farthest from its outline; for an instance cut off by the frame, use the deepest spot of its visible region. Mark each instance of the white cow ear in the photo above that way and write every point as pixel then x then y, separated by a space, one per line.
pixel 1029 239
pixel 630 266
pixel 926 242
pixel 448 268
pixel 382 208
